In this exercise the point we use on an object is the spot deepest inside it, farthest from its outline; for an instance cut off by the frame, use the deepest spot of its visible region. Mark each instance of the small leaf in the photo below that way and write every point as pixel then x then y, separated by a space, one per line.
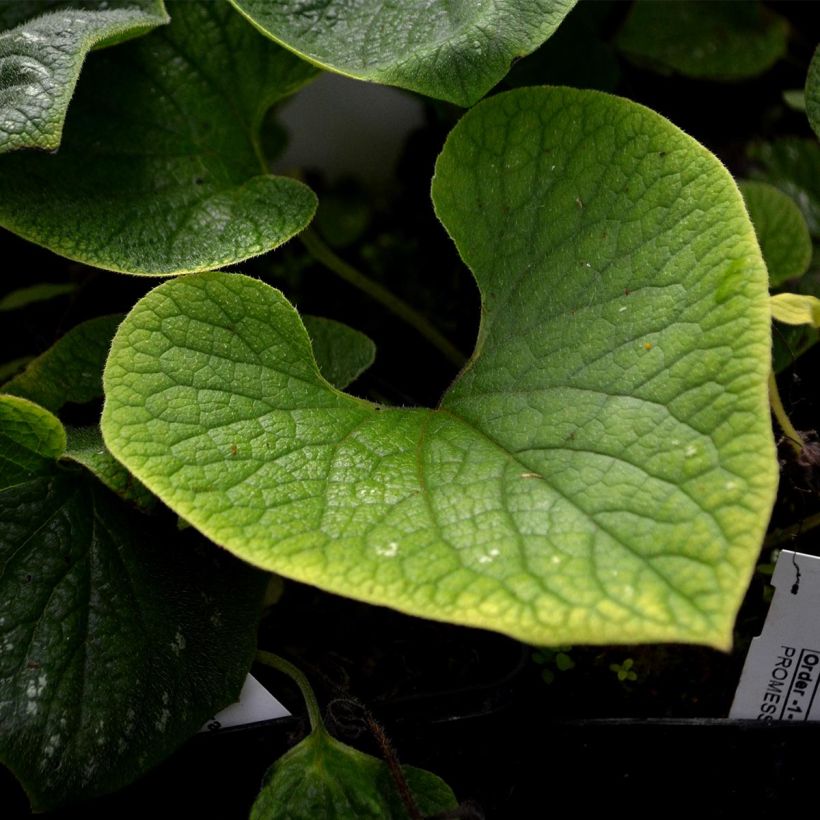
pixel 793 165
pixel 71 369
pixel 117 641
pixel 813 92
pixel 341 352
pixel 796 309
pixel 85 446
pixel 603 468
pixel 452 51
pixel 718 40
pixel 42 49
pixel 781 230
pixel 160 170
pixel 323 778
pixel 23 297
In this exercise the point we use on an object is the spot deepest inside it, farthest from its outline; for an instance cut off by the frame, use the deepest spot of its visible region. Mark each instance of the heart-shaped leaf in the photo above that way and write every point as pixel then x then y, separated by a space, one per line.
pixel 453 51
pixel 603 468
pixel 117 640
pixel 160 170
pixel 781 230
pixel 42 49
pixel 721 39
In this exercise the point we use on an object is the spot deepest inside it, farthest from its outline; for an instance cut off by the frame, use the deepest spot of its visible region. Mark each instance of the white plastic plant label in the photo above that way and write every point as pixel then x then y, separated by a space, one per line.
pixel 255 705
pixel 782 671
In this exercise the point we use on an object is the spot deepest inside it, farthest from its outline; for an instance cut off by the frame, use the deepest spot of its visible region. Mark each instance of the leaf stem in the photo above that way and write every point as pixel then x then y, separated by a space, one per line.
pixel 792 436
pixel 287 668
pixel 778 537
pixel 322 253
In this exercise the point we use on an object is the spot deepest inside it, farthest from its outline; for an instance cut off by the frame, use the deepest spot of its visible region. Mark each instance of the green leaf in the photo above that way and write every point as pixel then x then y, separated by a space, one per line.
pixel 117 639
pixel 781 230
pixel 160 170
pixel 13 367
pixel 85 446
pixel 796 309
pixel 793 165
pixel 71 369
pixel 813 92
pixel 321 777
pixel 602 470
pixel 23 297
pixel 718 40
pixel 42 48
pixel 453 51
pixel 341 352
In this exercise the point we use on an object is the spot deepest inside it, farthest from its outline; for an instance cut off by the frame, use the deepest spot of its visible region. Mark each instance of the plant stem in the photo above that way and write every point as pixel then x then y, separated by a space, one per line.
pixel 322 253
pixel 792 436
pixel 281 665
pixel 779 537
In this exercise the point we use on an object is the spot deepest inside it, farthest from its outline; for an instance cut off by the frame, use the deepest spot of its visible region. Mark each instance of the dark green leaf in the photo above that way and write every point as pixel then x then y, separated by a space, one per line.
pixel 160 170
pixel 716 40
pixel 812 95
pixel 36 293
pixel 117 638
pixel 341 352
pixel 42 48
pixel 454 51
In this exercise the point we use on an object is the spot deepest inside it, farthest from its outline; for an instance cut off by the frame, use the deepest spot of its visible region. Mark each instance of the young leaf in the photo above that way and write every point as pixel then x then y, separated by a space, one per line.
pixel 341 352
pixel 603 469
pixel 781 231
pixel 160 170
pixel 796 309
pixel 452 51
pixel 321 777
pixel 42 49
pixel 813 92
pixel 718 40
pixel 71 369
pixel 117 642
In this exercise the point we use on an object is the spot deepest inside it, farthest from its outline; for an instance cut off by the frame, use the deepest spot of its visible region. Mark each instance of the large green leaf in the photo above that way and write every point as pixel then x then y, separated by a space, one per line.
pixel 160 170
pixel 813 92
pixel 454 51
pixel 721 39
pixel 602 470
pixel 117 640
pixel 781 230
pixel 42 48
pixel 71 369
pixel 323 778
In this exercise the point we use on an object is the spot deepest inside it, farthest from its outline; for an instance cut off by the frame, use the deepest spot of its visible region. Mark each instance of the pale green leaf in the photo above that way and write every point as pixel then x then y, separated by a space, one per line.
pixel 812 94
pixel 85 446
pixel 117 639
pixel 160 171
pixel 603 469
pixel 71 369
pixel 454 51
pixel 23 297
pixel 341 352
pixel 793 165
pixel 42 48
pixel 796 309
pixel 718 40
pixel 781 231
pixel 323 778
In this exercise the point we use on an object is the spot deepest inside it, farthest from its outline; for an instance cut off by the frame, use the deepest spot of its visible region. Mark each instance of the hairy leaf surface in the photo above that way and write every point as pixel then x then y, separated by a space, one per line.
pixel 42 48
pixel 160 170
pixel 454 51
pixel 603 468
pixel 117 638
